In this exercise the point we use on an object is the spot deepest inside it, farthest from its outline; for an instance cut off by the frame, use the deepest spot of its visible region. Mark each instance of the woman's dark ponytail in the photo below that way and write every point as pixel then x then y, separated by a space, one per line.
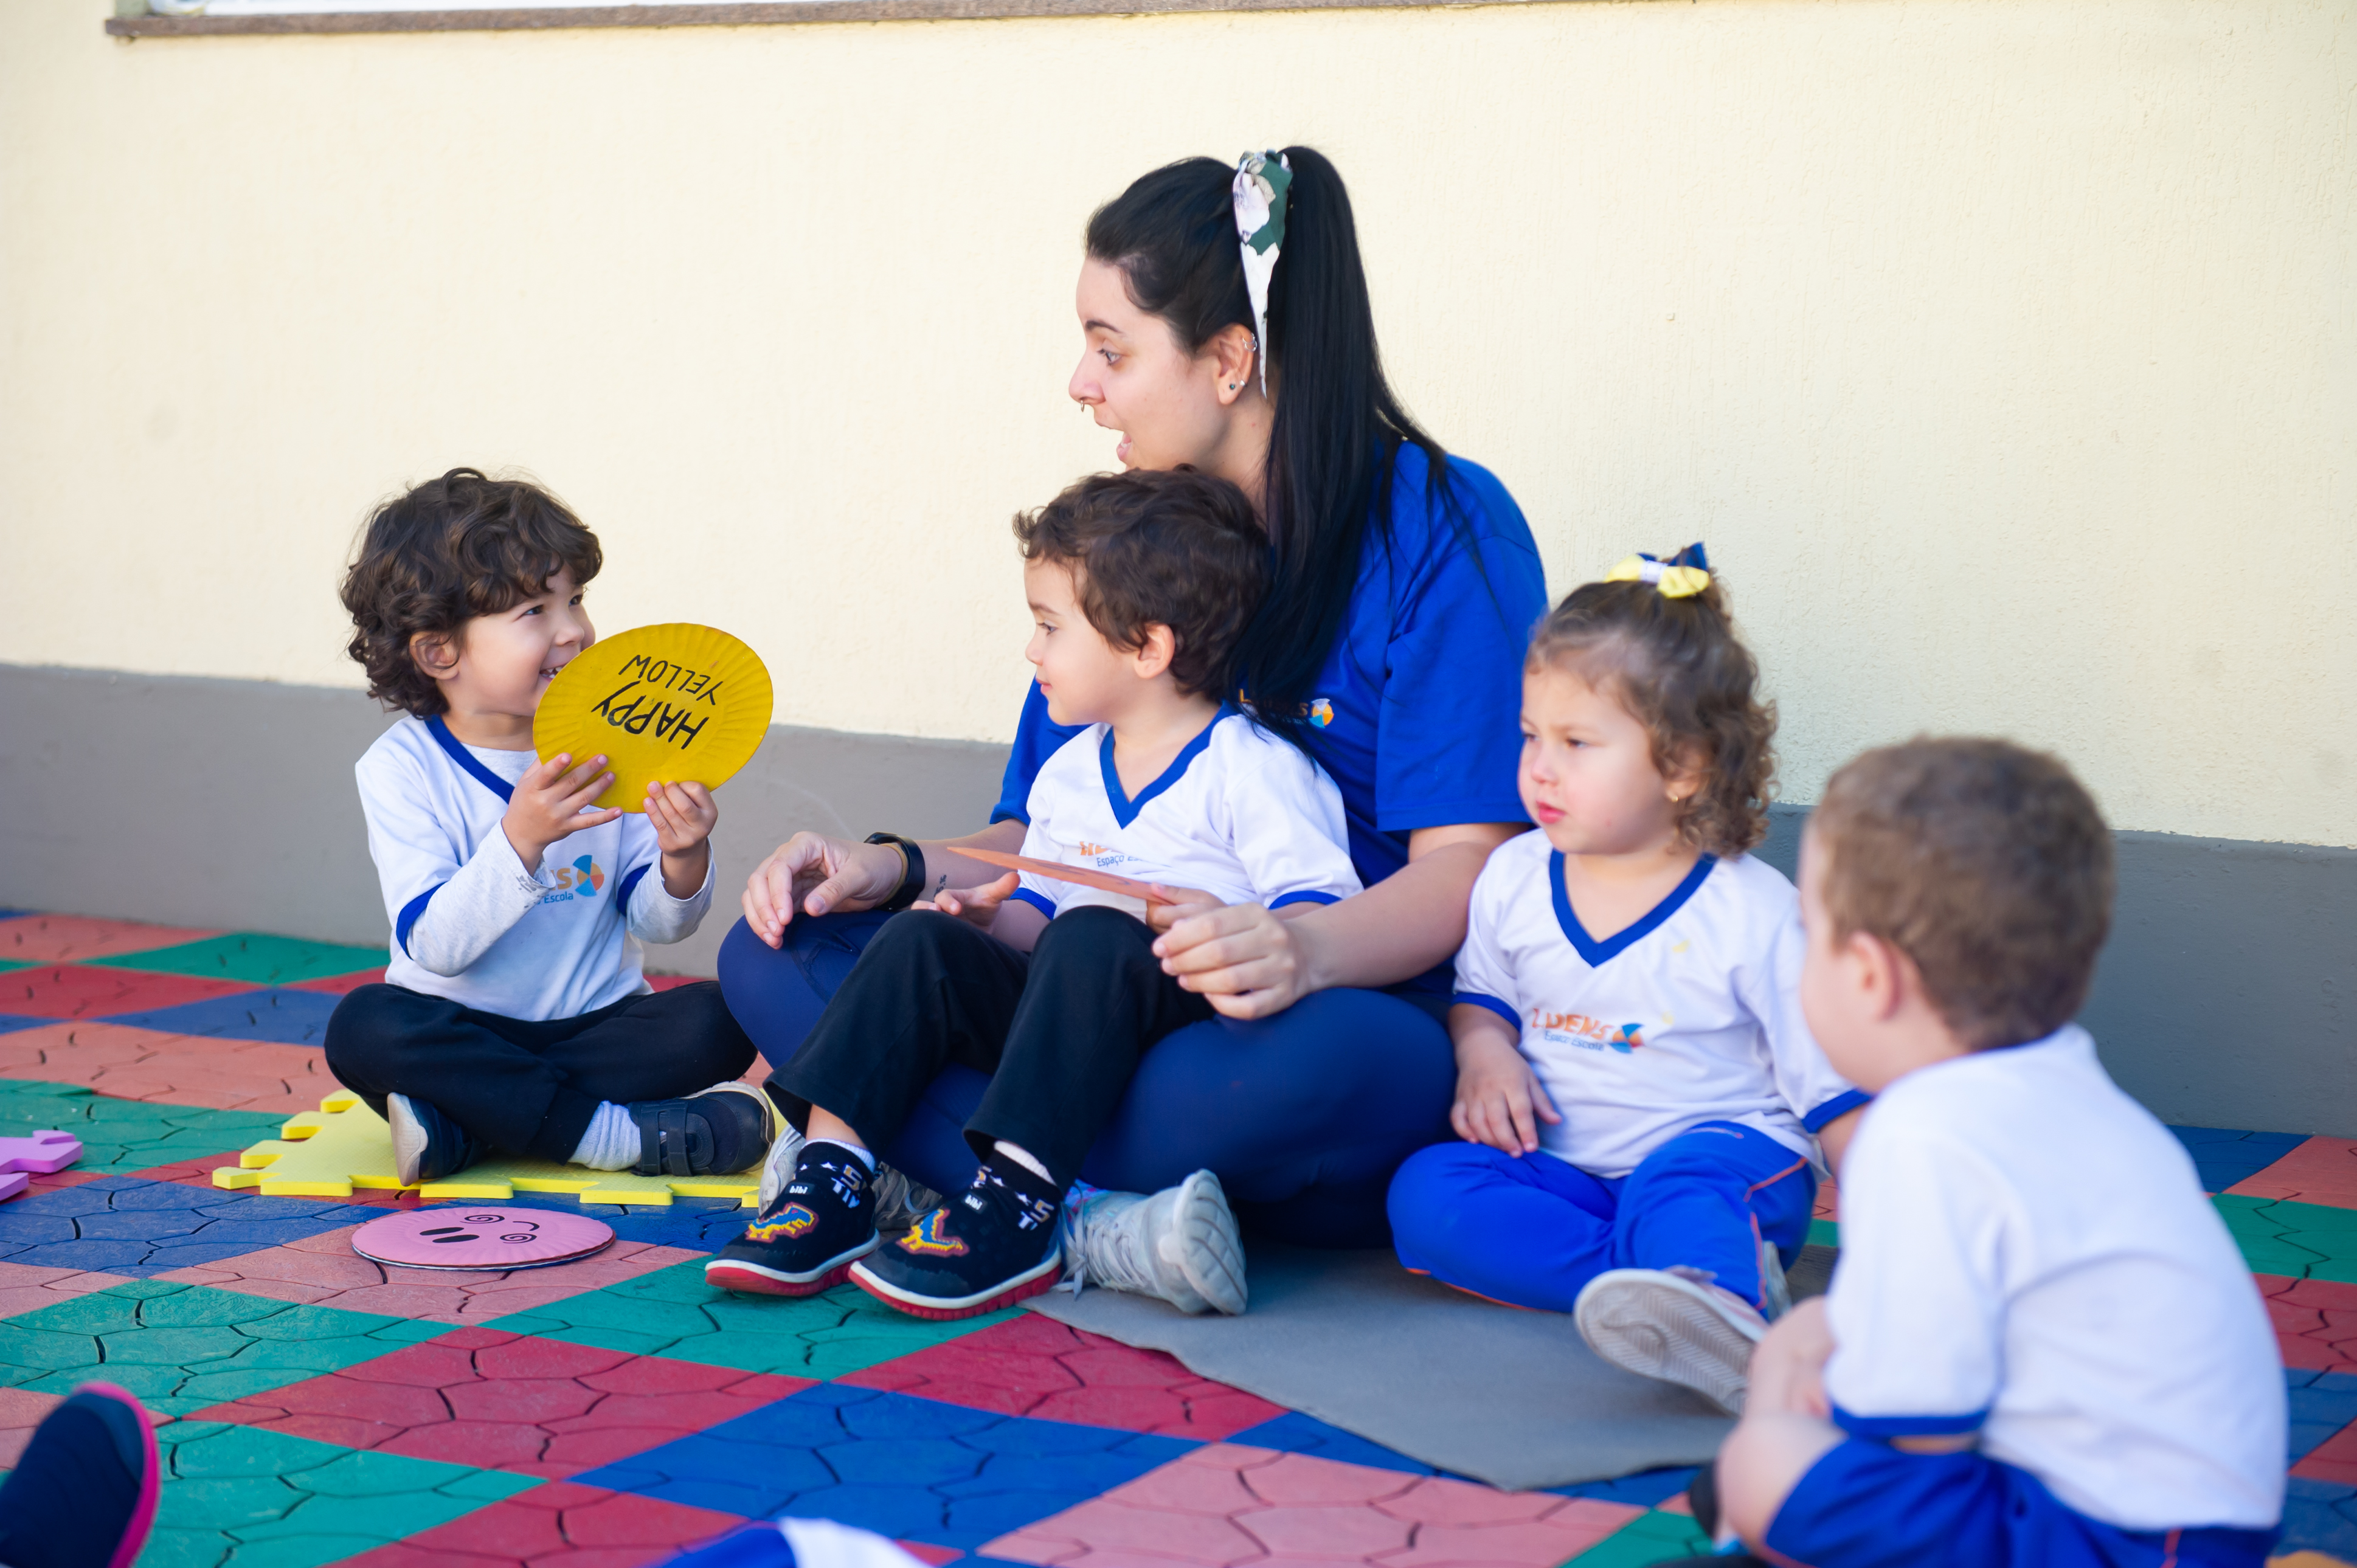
pixel 1337 428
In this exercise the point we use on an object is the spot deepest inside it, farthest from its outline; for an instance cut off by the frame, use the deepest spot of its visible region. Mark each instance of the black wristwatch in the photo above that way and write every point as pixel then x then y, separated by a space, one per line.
pixel 912 881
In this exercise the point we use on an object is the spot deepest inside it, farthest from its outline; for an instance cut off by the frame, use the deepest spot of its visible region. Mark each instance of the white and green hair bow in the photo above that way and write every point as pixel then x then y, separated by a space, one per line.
pixel 1260 187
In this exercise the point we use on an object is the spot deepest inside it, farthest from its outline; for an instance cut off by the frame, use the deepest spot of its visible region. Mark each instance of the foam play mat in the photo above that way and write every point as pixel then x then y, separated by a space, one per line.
pixel 344 1146
pixel 614 1412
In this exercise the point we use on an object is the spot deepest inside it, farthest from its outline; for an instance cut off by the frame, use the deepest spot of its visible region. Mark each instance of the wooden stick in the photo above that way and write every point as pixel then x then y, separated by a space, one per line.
pixel 1078 876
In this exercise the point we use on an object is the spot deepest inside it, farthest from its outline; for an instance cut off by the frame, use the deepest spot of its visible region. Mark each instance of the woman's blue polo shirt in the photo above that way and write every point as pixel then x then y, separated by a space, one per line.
pixel 1417 712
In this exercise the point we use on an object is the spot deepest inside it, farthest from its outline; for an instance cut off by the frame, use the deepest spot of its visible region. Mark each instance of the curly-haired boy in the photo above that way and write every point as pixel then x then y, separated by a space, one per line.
pixel 514 1018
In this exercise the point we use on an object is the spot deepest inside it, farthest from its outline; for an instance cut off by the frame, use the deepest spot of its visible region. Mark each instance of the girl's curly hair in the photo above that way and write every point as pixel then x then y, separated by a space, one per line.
pixel 1679 667
pixel 437 556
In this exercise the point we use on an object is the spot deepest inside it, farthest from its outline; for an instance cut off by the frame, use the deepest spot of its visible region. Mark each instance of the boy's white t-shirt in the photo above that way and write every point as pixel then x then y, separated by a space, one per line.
pixel 1691 1015
pixel 471 921
pixel 2027 1253
pixel 1240 814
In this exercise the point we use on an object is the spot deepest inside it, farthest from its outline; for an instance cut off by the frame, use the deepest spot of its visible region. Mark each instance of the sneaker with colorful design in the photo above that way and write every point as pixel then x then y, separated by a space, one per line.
pixel 805 1239
pixel 992 1248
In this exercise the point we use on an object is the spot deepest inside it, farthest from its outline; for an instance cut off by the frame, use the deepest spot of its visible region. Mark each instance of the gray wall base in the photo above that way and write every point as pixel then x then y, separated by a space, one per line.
pixel 2224 999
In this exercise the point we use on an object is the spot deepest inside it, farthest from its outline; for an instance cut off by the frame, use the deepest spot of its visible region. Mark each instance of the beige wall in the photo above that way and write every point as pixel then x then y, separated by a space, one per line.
pixel 2003 352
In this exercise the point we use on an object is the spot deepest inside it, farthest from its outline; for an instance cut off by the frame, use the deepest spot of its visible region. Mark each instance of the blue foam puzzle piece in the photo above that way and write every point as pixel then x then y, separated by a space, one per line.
pixel 266 1012
pixel 911 1468
pixel 125 1225
pixel 2320 1516
pixel 1294 1432
pixel 10 1023
pixel 2226 1155
pixel 2322 1404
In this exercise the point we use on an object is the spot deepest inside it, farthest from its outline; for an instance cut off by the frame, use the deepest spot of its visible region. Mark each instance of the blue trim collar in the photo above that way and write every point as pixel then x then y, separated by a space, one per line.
pixel 1596 952
pixel 467 760
pixel 1883 1428
pixel 1125 810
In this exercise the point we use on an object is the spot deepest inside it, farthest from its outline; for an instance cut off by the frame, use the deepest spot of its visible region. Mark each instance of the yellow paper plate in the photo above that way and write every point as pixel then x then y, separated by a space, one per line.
pixel 680 702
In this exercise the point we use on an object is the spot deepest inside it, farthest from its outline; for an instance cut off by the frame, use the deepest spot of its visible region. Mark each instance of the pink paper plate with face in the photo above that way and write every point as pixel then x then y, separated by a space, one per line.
pixel 481 1237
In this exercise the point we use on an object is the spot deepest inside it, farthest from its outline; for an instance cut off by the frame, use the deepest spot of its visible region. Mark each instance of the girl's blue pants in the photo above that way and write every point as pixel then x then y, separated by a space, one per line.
pixel 1533 1229
pixel 1304 1116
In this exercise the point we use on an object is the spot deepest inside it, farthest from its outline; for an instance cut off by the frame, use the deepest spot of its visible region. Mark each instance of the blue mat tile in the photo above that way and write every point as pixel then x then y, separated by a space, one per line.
pixel 10 1023
pixel 2322 1404
pixel 284 1017
pixel 1294 1432
pixel 696 1224
pixel 122 1225
pixel 2226 1155
pixel 912 1468
pixel 2320 1516
pixel 1647 1489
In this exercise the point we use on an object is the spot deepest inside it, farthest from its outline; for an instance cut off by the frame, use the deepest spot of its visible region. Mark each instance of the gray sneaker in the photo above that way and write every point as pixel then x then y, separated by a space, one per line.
pixel 1672 1324
pixel 1179 1244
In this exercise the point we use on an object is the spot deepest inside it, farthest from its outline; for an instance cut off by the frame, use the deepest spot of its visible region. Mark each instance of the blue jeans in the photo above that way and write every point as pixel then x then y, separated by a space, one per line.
pixel 1533 1229
pixel 1304 1115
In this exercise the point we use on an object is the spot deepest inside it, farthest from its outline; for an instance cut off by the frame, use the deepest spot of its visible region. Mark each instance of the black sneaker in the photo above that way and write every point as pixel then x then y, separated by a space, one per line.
pixel 992 1247
pixel 819 1223
pixel 426 1144
pixel 724 1129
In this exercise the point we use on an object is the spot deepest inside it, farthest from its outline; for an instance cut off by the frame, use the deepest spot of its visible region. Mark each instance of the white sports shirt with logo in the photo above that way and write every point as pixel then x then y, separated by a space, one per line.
pixel 470 921
pixel 1691 1015
pixel 1240 814
pixel 2027 1254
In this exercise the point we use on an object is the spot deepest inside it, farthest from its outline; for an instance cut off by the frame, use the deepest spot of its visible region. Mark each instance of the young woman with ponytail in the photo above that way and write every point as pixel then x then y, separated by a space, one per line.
pixel 1228 327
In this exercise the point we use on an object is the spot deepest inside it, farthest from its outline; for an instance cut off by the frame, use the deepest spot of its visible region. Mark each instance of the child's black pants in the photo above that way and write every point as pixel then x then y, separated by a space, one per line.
pixel 530 1088
pixel 1061 1031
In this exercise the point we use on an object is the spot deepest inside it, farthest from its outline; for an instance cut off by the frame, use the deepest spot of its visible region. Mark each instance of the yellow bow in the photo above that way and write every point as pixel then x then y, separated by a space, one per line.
pixel 1674 581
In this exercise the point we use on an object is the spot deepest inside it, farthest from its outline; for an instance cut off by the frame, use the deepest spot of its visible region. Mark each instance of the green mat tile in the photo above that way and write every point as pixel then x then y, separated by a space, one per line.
pixel 234 1495
pixel 1649 1538
pixel 182 1348
pixel 245 955
pixel 119 1136
pixel 2305 1240
pixel 671 1313
pixel 9 963
pixel 1825 1233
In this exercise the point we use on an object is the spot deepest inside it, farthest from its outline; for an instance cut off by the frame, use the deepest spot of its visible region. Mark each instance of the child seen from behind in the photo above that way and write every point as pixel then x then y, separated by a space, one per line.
pixel 1640 1099
pixel 514 1018
pixel 2041 1346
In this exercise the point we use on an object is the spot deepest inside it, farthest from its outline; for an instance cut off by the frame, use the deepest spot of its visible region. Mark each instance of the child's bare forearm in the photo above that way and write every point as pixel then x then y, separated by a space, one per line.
pixel 1018 925
pixel 1477 1034
pixel 684 872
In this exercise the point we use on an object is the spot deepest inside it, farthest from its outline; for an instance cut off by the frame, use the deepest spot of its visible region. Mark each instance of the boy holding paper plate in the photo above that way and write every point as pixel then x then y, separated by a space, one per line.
pixel 514 1018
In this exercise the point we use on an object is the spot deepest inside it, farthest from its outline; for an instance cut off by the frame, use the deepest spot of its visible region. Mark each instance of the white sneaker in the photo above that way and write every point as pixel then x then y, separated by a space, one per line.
pixel 1668 1324
pixel 1774 1289
pixel 900 1199
pixel 1179 1244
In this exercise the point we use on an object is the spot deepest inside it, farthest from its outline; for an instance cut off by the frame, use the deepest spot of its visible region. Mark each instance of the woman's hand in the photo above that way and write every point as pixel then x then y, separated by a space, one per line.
pixel 1247 962
pixel 978 906
pixel 1500 1101
pixel 811 874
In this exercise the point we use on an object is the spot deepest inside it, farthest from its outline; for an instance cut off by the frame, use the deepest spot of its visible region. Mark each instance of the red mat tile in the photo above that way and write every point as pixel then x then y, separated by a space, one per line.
pixel 1034 1365
pixel 2315 1321
pixel 324 1271
pixel 2322 1170
pixel 535 1407
pixel 71 991
pixel 1229 1505
pixel 27 1287
pixel 2333 1460
pixel 75 938
pixel 559 1523
pixel 171 1069
pixel 341 984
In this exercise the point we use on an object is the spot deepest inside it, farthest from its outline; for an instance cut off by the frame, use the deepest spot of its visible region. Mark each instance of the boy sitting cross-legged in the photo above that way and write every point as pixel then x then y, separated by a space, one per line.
pixel 1141 585
pixel 515 1018
pixel 2041 1346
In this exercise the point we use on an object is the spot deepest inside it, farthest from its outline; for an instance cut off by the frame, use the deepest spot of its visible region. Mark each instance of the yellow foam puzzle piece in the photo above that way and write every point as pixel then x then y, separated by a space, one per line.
pixel 343 1145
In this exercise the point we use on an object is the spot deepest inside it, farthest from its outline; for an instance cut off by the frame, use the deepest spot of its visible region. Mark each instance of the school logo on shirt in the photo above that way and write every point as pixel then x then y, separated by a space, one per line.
pixel 584 878
pixel 1589 1034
